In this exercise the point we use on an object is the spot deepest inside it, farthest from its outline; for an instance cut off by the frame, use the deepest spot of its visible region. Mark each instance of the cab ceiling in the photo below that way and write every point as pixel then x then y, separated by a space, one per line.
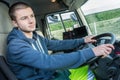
pixel 42 7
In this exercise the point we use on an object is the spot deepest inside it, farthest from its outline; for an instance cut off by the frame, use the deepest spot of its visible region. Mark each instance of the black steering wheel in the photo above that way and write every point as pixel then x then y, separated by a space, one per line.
pixel 106 68
pixel 100 41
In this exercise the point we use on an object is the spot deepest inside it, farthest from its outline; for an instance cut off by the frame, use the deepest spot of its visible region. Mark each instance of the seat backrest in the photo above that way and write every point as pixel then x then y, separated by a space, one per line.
pixel 5 28
pixel 5 72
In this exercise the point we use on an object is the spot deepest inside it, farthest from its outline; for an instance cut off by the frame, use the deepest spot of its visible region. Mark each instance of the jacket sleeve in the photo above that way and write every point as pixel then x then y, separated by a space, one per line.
pixel 63 44
pixel 20 52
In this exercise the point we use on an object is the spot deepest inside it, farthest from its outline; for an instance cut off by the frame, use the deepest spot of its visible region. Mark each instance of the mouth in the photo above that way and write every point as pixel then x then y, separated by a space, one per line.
pixel 31 26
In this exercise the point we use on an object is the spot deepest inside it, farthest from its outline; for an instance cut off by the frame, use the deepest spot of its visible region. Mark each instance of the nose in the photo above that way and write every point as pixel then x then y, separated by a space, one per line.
pixel 30 20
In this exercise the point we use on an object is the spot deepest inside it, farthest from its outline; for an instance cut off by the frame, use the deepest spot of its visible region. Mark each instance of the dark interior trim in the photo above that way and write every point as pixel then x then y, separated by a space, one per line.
pixel 5 3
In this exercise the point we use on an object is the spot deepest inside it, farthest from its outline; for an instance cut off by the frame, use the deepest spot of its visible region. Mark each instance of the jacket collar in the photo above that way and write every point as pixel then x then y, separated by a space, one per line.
pixel 21 35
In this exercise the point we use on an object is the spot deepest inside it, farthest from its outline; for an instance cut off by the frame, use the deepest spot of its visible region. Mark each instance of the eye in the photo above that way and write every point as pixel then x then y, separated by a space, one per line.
pixel 23 18
pixel 32 15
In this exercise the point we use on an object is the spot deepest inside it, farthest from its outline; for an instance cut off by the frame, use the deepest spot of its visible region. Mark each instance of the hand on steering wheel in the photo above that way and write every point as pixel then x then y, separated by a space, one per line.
pixel 102 49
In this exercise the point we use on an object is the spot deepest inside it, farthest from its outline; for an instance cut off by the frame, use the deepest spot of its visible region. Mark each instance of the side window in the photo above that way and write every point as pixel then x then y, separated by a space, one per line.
pixel 58 23
pixel 103 16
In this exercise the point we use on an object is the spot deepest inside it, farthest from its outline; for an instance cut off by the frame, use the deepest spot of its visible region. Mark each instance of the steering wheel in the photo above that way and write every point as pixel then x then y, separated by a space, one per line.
pixel 102 41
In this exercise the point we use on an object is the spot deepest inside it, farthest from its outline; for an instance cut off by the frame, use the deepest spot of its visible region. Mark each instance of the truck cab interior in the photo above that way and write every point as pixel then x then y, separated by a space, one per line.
pixel 67 19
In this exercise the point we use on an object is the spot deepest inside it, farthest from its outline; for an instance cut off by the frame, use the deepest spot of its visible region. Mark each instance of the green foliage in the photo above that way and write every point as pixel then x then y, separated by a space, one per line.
pixel 55 26
pixel 106 15
pixel 107 21
pixel 58 25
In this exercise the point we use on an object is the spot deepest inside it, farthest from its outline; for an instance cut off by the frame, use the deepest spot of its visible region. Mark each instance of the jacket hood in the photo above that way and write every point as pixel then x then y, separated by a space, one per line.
pixel 17 33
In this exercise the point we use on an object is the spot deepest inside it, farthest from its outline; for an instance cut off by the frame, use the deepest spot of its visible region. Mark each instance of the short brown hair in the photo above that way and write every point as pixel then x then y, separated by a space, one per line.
pixel 17 6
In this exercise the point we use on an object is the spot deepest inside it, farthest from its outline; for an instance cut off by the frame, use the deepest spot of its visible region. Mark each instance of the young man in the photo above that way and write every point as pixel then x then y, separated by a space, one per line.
pixel 27 52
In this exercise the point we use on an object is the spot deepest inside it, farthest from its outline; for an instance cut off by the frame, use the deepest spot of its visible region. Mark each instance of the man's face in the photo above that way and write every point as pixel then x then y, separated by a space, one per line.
pixel 25 19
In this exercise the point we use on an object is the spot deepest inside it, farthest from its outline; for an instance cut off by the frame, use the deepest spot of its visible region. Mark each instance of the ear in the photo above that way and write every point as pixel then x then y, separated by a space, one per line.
pixel 14 23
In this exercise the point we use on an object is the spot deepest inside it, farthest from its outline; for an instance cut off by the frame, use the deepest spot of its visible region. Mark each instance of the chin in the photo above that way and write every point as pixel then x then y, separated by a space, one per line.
pixel 33 29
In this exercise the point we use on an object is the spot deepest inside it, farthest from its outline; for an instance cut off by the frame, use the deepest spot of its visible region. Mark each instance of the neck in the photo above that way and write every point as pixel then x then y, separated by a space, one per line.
pixel 28 34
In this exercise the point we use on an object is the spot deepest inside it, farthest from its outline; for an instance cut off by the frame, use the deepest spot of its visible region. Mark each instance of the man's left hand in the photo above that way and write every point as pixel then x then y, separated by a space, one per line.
pixel 88 39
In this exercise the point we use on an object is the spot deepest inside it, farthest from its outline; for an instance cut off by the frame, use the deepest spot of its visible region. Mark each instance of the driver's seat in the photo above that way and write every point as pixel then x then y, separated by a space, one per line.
pixel 5 28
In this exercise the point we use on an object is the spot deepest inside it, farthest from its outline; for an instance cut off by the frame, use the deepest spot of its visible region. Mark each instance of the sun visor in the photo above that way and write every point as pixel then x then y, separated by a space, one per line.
pixel 74 4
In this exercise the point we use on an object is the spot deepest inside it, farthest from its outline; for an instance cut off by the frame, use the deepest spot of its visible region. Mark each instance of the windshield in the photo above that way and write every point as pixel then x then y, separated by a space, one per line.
pixel 60 24
pixel 103 16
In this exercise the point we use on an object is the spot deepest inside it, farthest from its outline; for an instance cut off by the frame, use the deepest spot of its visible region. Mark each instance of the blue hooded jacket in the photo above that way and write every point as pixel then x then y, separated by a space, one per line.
pixel 30 62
